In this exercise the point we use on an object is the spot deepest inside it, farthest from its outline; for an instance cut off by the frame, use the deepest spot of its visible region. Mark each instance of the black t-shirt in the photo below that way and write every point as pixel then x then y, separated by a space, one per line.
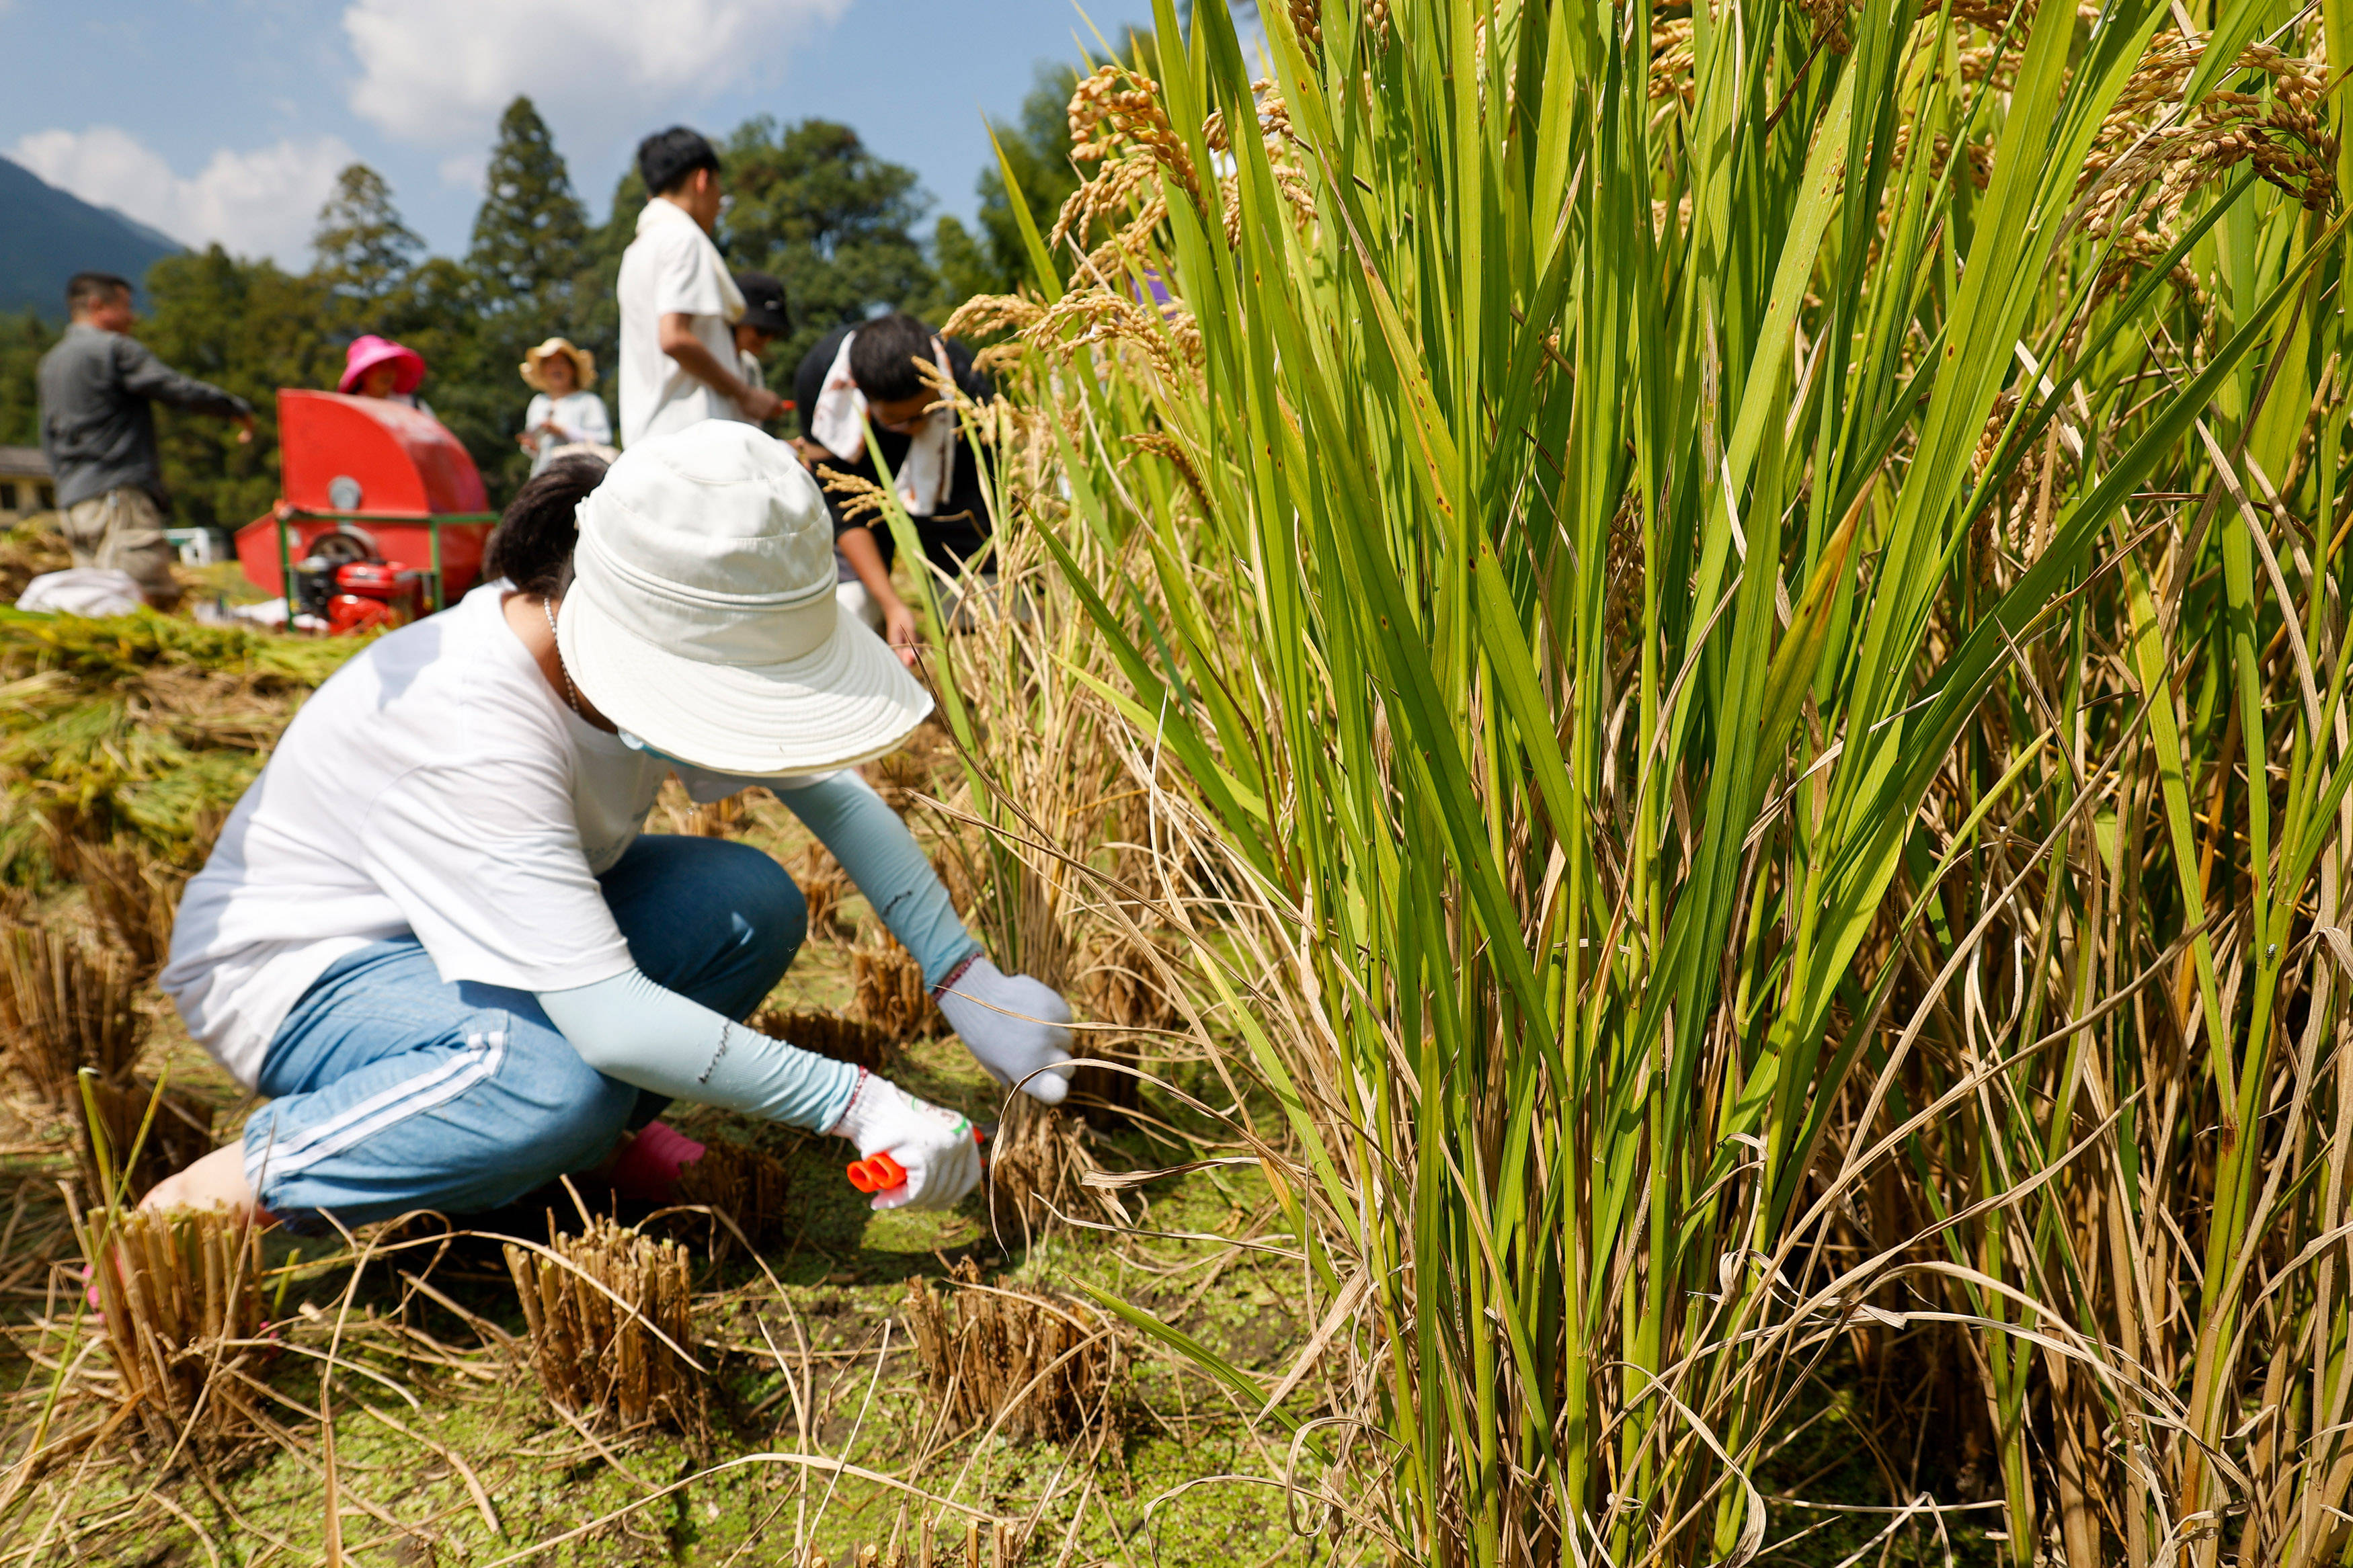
pixel 958 530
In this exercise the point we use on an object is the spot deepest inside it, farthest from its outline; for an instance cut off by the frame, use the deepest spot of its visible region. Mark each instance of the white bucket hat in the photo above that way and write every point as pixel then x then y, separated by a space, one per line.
pixel 701 617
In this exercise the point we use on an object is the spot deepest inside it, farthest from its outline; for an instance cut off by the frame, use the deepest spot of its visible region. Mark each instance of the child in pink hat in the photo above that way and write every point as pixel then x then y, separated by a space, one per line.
pixel 378 367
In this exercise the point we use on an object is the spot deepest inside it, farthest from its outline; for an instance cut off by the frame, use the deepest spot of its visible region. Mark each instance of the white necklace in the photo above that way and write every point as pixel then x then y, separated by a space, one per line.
pixel 571 692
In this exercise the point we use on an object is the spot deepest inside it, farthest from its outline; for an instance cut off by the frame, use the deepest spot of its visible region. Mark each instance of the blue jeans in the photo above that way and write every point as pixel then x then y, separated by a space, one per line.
pixel 391 1090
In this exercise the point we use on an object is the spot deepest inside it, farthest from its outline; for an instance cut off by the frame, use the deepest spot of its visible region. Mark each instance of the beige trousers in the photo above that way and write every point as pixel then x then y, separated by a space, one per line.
pixel 122 531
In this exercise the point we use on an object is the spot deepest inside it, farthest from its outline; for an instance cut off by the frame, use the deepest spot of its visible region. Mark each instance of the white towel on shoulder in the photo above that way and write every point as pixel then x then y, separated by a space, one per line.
pixel 838 424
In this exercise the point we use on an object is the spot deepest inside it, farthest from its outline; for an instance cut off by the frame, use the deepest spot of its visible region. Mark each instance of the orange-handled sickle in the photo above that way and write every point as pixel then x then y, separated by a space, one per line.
pixel 880 1172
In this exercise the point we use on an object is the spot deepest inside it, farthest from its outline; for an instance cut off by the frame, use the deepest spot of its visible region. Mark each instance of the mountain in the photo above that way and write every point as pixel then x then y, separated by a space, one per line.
pixel 47 236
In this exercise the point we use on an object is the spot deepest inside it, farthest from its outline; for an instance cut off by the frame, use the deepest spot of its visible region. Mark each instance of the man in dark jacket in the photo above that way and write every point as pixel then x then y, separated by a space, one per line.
pixel 864 378
pixel 99 434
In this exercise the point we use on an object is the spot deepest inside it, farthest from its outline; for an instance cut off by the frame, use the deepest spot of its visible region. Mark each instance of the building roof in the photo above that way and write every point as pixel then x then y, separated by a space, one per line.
pixel 23 463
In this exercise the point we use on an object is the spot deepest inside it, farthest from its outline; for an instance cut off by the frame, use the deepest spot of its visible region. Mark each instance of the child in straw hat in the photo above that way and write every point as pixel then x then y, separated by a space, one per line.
pixel 565 413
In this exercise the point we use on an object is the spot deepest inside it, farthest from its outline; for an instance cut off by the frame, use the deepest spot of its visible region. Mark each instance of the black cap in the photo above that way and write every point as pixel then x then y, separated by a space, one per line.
pixel 764 304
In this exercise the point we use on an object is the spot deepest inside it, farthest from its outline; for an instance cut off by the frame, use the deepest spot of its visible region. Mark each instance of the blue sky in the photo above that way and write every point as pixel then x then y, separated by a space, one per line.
pixel 225 120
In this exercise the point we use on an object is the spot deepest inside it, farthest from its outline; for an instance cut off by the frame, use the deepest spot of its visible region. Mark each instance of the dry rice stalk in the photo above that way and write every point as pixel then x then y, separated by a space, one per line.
pixel 830 1035
pixel 62 1008
pixel 990 1351
pixel 822 882
pixel 891 995
pixel 748 1185
pixel 681 814
pixel 1122 988
pixel 134 895
pixel 899 777
pixel 180 1293
pixel 28 550
pixel 716 819
pixel 1037 1160
pixel 179 1133
pixel 597 1357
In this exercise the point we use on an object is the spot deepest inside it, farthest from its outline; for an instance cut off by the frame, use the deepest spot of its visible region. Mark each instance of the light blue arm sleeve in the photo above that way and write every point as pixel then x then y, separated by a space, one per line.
pixel 883 859
pixel 647 1035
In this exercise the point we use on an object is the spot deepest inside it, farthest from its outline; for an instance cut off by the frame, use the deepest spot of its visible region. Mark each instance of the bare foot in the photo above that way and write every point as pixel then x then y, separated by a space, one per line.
pixel 218 1179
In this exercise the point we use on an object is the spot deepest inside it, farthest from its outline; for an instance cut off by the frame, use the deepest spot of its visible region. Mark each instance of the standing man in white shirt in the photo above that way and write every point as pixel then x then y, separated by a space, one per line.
pixel 679 305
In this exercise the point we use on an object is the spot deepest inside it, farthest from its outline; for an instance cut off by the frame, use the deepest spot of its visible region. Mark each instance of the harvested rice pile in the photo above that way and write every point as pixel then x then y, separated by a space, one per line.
pixel 135 735
pixel 67 1009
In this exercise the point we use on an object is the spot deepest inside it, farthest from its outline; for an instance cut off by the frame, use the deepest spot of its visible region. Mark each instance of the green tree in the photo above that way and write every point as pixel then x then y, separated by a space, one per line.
pixel 814 206
pixel 963 265
pixel 530 228
pixel 251 328
pixel 471 351
pixel 23 341
pixel 596 311
pixel 364 249
pixel 523 281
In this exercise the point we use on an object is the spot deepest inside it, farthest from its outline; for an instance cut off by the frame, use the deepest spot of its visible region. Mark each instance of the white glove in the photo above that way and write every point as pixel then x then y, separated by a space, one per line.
pixel 1015 1026
pixel 933 1146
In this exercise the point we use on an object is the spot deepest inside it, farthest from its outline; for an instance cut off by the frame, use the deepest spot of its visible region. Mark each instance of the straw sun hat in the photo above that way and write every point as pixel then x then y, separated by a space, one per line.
pixel 701 617
pixel 583 364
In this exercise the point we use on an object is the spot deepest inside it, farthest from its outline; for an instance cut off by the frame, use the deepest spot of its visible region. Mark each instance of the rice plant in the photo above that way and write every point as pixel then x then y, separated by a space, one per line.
pixel 1745 608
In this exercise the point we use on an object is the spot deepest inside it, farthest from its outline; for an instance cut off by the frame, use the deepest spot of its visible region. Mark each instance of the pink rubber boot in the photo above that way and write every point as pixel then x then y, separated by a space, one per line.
pixel 645 1170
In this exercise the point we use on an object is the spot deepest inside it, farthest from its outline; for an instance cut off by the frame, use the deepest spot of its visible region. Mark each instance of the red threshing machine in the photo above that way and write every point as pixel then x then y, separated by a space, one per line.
pixel 383 516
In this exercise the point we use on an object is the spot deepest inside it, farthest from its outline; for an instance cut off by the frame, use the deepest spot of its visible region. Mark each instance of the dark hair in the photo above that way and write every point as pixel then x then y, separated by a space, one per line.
pixel 667 158
pixel 882 357
pixel 84 290
pixel 531 546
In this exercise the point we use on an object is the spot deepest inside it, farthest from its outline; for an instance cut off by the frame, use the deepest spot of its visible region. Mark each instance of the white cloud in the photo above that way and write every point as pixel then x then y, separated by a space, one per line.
pixel 258 202
pixel 466 170
pixel 439 72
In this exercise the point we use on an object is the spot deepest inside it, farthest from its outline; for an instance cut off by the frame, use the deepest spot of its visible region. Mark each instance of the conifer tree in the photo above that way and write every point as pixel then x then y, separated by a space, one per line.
pixel 365 251
pixel 531 226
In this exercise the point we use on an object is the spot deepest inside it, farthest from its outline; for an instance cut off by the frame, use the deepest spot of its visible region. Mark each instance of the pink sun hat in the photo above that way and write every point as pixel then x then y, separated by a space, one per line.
pixel 368 351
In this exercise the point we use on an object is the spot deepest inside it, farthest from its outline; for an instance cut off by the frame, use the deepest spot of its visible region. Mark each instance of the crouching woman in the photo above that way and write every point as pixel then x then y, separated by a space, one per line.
pixel 436 936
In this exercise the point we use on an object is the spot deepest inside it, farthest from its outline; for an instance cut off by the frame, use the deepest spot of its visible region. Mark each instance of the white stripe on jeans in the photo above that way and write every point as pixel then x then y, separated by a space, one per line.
pixel 452 1078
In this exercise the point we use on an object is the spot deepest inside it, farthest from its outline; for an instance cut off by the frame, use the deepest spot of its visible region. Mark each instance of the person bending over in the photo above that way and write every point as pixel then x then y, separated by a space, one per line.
pixel 97 387
pixel 436 936
pixel 865 378
pixel 678 301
